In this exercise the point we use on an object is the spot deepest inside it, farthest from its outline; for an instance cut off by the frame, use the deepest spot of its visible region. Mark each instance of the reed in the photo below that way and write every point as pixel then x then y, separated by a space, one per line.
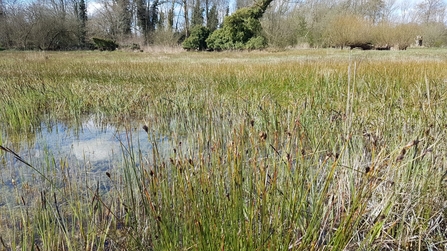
pixel 296 150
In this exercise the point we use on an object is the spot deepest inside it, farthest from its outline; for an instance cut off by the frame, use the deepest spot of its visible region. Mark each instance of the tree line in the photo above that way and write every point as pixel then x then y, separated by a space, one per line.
pixel 220 24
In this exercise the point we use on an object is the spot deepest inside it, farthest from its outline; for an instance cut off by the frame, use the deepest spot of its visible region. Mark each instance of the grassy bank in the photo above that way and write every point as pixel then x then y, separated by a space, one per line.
pixel 296 150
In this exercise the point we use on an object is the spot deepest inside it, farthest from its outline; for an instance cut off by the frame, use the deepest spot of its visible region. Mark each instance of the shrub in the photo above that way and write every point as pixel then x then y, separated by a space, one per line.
pixel 197 39
pixel 105 44
pixel 256 43
pixel 348 30
pixel 434 34
pixel 405 34
pixel 383 35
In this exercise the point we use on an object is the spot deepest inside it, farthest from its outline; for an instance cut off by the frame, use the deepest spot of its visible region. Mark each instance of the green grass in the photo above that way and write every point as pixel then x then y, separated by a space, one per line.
pixel 294 150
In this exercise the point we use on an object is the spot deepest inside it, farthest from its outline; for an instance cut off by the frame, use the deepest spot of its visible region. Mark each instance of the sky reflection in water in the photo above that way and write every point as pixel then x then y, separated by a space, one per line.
pixel 93 147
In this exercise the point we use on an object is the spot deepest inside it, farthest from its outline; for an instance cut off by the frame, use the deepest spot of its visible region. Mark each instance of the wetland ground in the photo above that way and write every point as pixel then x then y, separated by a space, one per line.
pixel 293 150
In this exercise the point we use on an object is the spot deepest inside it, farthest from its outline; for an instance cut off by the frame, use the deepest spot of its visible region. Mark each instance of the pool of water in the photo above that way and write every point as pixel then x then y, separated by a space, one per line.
pixel 94 148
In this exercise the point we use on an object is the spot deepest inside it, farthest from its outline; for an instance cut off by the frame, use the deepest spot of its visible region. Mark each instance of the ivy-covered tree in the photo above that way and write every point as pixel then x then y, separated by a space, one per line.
pixel 241 30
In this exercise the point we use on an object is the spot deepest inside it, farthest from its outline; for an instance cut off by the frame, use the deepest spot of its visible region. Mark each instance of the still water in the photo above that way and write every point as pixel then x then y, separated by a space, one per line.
pixel 91 147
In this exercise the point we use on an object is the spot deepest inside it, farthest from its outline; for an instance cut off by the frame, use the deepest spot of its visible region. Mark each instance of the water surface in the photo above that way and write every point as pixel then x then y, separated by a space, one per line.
pixel 91 148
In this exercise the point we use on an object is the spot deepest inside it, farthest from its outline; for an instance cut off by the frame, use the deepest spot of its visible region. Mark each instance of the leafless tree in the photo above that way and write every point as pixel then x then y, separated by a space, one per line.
pixel 431 11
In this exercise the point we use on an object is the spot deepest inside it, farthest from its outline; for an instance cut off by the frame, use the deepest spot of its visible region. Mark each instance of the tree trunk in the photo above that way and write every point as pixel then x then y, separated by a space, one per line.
pixel 260 7
pixel 185 12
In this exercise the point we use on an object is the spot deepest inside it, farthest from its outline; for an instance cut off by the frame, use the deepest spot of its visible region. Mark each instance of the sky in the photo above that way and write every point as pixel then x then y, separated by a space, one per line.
pixel 404 8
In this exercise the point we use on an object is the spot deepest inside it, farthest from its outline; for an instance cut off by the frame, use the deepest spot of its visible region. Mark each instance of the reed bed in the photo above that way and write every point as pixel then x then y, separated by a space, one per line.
pixel 296 150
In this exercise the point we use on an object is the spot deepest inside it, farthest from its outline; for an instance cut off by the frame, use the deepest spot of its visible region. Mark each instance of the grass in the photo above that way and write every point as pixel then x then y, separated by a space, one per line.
pixel 295 150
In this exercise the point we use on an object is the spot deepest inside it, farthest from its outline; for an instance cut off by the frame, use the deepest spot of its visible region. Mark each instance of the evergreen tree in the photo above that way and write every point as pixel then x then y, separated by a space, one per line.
pixel 2 11
pixel 82 17
pixel 171 18
pixel 153 15
pixel 213 20
pixel 148 18
pixel 207 11
pixel 142 15
pixel 161 21
pixel 3 27
pixel 197 15
pixel 125 17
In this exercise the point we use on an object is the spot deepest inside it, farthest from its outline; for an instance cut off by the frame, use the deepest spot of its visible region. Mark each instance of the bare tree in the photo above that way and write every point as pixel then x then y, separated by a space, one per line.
pixel 105 23
pixel 280 24
pixel 431 11
pixel 373 10
pixel 62 24
pixel 186 16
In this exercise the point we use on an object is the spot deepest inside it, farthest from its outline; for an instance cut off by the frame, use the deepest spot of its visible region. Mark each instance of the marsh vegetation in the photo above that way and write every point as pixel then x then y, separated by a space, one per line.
pixel 294 150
